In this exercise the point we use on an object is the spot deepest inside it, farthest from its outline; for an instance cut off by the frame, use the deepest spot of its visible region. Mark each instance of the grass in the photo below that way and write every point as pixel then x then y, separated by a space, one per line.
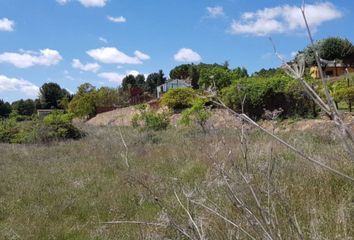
pixel 68 190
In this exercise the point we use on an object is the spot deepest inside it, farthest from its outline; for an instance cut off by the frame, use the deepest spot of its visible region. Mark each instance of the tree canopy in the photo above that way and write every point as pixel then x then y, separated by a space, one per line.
pixel 5 109
pixel 333 48
pixel 50 95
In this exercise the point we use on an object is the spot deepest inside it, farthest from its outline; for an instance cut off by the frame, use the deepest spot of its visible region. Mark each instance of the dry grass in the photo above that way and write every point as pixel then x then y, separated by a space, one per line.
pixel 69 190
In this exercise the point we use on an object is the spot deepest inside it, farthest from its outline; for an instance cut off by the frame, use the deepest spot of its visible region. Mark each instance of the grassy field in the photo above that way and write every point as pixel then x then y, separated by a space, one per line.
pixel 176 181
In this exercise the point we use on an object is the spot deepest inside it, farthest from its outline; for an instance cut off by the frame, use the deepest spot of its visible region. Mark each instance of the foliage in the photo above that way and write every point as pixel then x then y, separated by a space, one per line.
pixel 198 114
pixel 150 120
pixel 220 76
pixel 186 72
pixel 260 93
pixel 179 98
pixel 154 80
pixel 333 48
pixel 88 98
pixel 50 95
pixel 54 127
pixel 129 82
pixel 83 105
pixel 5 109
pixel 24 107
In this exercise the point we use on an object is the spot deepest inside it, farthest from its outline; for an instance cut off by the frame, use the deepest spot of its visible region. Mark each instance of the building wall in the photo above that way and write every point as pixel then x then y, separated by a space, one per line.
pixel 330 71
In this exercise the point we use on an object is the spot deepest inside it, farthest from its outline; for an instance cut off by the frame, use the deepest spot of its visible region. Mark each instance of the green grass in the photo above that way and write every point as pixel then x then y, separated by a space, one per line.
pixel 68 190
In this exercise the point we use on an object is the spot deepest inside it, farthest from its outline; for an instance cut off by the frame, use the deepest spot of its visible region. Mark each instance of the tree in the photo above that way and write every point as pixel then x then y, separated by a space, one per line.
pixel 140 81
pixel 179 98
pixel 85 88
pixel 5 109
pixel 187 72
pixel 333 48
pixel 129 82
pixel 50 95
pixel 24 107
pixel 83 105
pixel 198 114
pixel 154 80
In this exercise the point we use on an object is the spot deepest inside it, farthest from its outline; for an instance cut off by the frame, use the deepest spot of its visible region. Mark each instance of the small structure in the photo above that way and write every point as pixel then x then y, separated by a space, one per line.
pixel 44 112
pixel 174 83
pixel 333 69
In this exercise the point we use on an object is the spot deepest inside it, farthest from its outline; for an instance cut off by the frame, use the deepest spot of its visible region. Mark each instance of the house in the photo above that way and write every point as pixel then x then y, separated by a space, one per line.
pixel 174 83
pixel 334 68
pixel 44 112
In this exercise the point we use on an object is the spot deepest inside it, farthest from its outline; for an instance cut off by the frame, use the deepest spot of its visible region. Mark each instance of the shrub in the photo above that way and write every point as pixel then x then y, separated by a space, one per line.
pixel 179 98
pixel 197 114
pixel 150 120
pixel 56 126
pixel 271 92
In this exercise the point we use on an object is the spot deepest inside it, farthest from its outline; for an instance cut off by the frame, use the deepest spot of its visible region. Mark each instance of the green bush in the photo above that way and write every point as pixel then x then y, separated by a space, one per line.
pixel 150 120
pixel 197 114
pixel 54 127
pixel 179 98
pixel 271 92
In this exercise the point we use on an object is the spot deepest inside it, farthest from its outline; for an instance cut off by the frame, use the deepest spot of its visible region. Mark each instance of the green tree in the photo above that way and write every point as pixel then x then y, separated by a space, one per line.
pixel 154 80
pixel 24 107
pixel 83 105
pixel 197 114
pixel 5 109
pixel 179 98
pixel 188 72
pixel 333 48
pixel 129 82
pixel 50 95
pixel 140 81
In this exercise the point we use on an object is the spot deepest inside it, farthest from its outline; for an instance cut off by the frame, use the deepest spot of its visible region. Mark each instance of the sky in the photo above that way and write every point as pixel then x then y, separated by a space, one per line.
pixel 71 42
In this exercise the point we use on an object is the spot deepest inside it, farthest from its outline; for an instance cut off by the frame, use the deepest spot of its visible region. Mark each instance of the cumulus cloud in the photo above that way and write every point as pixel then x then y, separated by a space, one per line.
pixel 7 25
pixel 93 3
pixel 187 55
pixel 117 77
pixel 112 76
pixel 141 55
pixel 102 39
pixel 215 12
pixel 26 59
pixel 8 84
pixel 86 3
pixel 89 67
pixel 62 2
pixel 111 55
pixel 284 19
pixel 120 19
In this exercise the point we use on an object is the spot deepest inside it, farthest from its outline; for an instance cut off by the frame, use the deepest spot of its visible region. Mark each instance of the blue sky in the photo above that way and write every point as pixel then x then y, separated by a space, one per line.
pixel 100 41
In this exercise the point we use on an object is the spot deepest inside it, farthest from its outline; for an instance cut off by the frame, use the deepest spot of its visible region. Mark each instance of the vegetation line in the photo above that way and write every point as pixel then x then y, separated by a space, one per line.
pixel 249 120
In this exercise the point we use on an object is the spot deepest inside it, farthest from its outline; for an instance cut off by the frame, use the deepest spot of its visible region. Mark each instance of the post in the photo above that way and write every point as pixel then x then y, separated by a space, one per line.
pixel 348 85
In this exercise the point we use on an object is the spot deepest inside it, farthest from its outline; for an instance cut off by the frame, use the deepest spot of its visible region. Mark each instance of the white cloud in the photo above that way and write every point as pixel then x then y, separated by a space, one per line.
pixel 102 39
pixel 284 19
pixel 13 84
pixel 93 3
pixel 89 67
pixel 111 55
pixel 62 2
pixel 117 77
pixel 141 55
pixel 120 19
pixel 215 12
pixel 26 59
pixel 293 54
pixel 112 77
pixel 133 72
pixel 187 55
pixel 7 25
